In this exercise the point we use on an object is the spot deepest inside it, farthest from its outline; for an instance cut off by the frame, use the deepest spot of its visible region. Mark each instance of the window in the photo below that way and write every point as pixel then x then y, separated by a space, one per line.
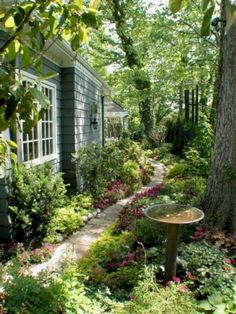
pixel 39 145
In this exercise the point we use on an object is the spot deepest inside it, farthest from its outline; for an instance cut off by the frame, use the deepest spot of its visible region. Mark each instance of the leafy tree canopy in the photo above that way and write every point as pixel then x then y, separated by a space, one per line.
pixel 27 29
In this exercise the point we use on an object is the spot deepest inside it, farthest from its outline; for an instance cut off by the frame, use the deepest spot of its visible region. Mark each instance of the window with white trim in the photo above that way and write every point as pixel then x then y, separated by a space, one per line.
pixel 39 145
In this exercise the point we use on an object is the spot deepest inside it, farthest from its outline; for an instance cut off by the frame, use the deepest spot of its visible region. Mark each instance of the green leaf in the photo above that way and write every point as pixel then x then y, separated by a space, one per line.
pixel 79 4
pixel 40 97
pixel 215 298
pixel 19 16
pixel 3 123
pixel 13 157
pixel 11 107
pixel 40 40
pixel 12 144
pixel 204 305
pixel 17 45
pixel 220 309
pixel 11 52
pixel 25 56
pixel 94 4
pixel 206 22
pixel 176 5
pixel 89 18
pixel 204 4
pixel 47 76
pixel 10 22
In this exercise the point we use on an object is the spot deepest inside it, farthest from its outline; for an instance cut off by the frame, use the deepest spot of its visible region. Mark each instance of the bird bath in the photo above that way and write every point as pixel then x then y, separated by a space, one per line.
pixel 173 215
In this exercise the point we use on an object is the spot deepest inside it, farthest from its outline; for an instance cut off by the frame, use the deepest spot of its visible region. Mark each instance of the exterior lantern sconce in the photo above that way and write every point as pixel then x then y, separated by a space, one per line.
pixel 94 123
pixel 93 117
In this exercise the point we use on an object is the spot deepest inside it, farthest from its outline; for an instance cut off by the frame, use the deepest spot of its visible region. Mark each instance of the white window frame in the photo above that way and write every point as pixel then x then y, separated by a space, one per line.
pixel 41 159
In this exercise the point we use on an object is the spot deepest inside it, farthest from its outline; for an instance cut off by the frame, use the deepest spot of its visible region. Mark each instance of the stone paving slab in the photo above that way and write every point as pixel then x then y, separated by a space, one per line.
pixel 77 245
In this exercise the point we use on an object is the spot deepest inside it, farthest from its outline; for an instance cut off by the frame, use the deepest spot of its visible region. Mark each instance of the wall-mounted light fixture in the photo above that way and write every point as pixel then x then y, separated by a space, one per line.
pixel 94 123
pixel 93 117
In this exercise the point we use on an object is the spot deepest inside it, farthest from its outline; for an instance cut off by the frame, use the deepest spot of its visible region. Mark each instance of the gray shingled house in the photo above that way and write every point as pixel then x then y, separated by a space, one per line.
pixel 74 118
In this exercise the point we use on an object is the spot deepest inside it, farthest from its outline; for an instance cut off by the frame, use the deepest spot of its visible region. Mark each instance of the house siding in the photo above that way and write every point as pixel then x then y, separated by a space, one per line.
pixel 79 94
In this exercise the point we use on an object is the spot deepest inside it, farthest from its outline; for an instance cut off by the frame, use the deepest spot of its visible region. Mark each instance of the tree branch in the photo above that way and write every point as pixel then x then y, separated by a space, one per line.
pixel 19 28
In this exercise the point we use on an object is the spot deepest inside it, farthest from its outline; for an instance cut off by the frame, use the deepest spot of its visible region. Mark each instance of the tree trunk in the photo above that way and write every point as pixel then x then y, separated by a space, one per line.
pixel 220 199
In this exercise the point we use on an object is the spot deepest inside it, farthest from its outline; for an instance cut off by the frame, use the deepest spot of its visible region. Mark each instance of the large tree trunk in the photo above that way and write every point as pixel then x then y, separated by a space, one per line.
pixel 220 200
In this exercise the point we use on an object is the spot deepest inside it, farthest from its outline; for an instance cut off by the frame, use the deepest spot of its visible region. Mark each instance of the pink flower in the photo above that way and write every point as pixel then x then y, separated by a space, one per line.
pixel 123 264
pixel 228 261
pixel 190 276
pixel 47 247
pixel 176 279
pixel 36 251
pixel 130 257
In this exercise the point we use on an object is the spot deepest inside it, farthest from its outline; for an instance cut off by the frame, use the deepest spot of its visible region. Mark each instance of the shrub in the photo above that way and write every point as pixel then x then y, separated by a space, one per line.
pixel 148 232
pixel 177 170
pixel 151 298
pixel 26 294
pixel 130 174
pixel 35 193
pixel 99 166
pixel 68 219
pixel 111 261
pixel 197 165
pixel 116 190
pixel 65 221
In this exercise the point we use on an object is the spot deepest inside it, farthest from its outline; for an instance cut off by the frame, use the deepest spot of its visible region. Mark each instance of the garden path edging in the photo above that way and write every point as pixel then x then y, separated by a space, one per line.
pixel 77 245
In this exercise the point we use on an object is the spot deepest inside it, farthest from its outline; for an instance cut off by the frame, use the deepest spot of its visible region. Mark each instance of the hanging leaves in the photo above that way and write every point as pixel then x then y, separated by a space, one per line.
pixel 177 5
pixel 28 25
pixel 10 22
pixel 206 22
pixel 79 4
pixel 40 97
pixel 94 4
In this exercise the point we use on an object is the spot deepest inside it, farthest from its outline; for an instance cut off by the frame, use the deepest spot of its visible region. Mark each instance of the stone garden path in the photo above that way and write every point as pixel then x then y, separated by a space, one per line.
pixel 78 244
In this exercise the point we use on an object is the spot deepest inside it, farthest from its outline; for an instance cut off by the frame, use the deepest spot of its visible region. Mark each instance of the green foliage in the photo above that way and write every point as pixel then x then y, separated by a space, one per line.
pixel 110 262
pixel 65 221
pixel 197 165
pixel 35 193
pixel 198 151
pixel 188 190
pixel 151 298
pixel 25 28
pixel 219 302
pixel 208 264
pixel 26 294
pixel 149 233
pixel 130 174
pixel 68 219
pixel 177 170
pixel 99 166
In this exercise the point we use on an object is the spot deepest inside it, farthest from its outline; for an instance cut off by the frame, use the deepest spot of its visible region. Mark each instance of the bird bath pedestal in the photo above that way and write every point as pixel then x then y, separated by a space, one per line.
pixel 173 215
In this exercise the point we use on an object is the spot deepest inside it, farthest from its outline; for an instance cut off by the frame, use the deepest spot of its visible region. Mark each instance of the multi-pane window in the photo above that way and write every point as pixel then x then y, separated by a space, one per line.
pixel 39 144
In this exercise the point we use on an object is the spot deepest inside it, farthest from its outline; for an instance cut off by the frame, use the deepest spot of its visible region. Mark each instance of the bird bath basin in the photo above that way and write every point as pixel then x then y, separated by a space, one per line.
pixel 173 215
